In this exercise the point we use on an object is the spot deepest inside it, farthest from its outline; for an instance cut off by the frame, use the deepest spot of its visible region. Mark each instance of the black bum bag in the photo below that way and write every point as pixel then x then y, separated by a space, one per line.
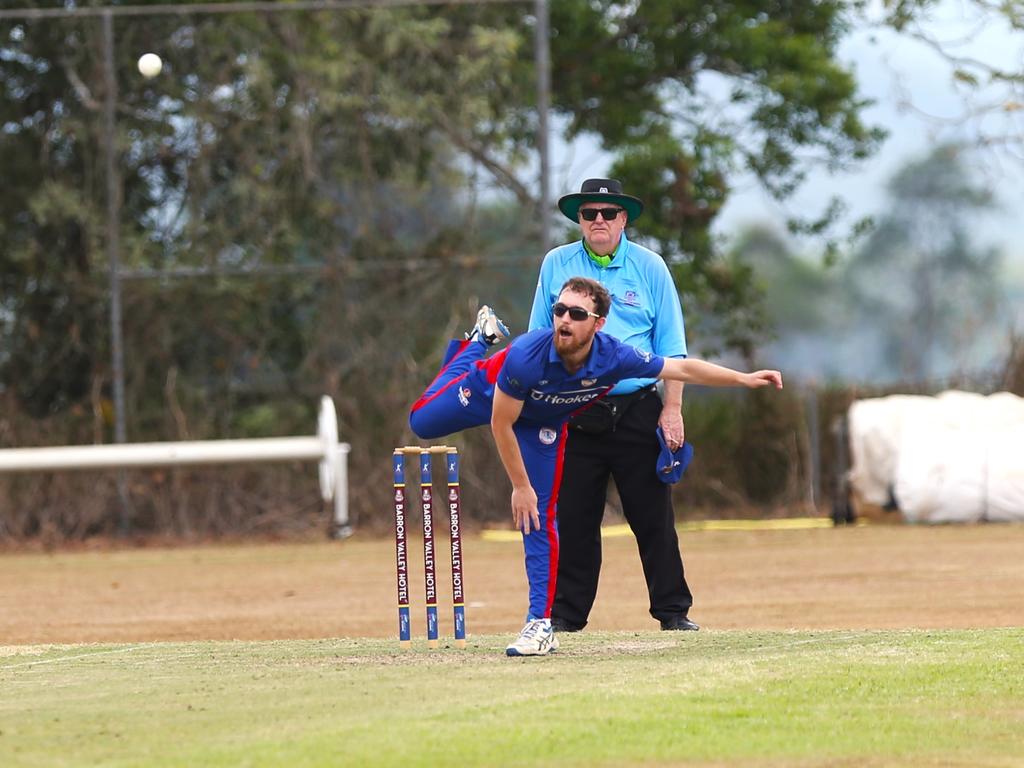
pixel 603 415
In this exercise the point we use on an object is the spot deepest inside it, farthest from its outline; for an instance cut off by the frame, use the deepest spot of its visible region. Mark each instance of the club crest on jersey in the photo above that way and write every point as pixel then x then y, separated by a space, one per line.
pixel 547 435
pixel 631 298
pixel 643 355
pixel 587 382
pixel 464 395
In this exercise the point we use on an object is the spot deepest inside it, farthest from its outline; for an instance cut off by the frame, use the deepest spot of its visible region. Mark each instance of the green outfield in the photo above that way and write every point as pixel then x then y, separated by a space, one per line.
pixel 722 698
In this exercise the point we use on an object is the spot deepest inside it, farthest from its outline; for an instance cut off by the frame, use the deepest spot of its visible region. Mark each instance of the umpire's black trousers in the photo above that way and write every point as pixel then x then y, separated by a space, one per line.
pixel 628 454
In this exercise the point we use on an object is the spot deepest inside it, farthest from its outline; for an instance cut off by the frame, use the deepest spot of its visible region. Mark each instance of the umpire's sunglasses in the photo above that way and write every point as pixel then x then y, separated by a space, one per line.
pixel 576 313
pixel 608 214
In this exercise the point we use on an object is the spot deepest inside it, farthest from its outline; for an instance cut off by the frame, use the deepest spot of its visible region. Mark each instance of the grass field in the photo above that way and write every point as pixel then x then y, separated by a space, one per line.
pixel 729 698
pixel 874 646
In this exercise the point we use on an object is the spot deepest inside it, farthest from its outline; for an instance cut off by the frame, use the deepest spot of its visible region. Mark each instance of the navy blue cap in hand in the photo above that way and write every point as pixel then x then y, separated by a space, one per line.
pixel 672 464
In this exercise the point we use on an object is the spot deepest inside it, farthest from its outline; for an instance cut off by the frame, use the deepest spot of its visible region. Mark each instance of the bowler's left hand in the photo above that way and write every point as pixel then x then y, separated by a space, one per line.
pixel 524 510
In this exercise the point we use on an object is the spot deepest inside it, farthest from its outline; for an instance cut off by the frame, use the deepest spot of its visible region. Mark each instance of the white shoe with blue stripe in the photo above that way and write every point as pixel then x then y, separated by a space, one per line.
pixel 536 639
pixel 489 328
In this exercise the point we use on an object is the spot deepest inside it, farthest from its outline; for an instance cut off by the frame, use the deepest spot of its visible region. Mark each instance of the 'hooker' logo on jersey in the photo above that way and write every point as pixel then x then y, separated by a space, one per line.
pixel 547 436
pixel 563 398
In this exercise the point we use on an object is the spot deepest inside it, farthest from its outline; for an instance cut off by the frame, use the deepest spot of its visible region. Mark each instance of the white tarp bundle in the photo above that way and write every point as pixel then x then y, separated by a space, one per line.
pixel 957 457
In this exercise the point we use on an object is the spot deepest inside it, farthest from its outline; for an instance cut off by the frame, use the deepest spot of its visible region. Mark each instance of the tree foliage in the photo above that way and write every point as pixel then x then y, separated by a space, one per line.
pixel 988 78
pixel 689 94
pixel 331 178
pixel 918 301
pixel 921 274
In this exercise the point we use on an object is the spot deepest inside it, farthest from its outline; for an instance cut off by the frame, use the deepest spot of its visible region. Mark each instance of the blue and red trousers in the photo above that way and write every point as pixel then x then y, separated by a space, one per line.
pixel 459 398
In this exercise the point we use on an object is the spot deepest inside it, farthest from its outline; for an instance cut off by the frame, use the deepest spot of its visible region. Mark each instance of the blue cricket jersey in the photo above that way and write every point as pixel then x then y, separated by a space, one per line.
pixel 533 372
pixel 645 311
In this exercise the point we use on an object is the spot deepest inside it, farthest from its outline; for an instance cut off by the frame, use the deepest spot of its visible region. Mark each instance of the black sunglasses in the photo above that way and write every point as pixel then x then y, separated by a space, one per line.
pixel 590 214
pixel 576 313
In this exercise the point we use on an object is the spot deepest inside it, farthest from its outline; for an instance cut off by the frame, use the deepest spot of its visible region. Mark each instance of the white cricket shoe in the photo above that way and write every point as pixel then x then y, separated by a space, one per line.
pixel 536 639
pixel 488 328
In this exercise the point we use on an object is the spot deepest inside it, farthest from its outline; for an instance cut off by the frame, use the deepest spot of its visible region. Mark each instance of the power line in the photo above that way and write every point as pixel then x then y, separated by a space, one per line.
pixel 349 268
pixel 243 6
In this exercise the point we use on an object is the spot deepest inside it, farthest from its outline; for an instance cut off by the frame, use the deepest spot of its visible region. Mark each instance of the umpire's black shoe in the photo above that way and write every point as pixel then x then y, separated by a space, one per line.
pixel 680 623
pixel 561 625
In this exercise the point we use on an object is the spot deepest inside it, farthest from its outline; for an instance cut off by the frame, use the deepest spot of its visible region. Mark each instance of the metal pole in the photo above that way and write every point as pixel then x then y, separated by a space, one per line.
pixel 543 63
pixel 114 257
pixel 113 227
pixel 842 508
pixel 814 449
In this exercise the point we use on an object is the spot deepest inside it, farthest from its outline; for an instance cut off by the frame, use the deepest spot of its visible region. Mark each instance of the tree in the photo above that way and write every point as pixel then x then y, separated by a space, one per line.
pixel 284 138
pixel 689 93
pixel 989 81
pixel 796 288
pixel 689 96
pixel 280 140
pixel 807 308
pixel 918 279
pixel 356 153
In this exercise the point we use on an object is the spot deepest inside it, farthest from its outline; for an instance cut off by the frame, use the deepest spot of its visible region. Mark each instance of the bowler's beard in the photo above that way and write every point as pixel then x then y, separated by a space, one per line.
pixel 566 345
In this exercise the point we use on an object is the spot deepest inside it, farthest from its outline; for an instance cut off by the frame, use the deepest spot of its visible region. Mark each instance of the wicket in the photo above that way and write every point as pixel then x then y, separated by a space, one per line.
pixel 429 570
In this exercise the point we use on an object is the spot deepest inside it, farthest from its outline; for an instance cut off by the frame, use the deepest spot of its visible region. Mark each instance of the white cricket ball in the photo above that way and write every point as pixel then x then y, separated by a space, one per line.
pixel 150 65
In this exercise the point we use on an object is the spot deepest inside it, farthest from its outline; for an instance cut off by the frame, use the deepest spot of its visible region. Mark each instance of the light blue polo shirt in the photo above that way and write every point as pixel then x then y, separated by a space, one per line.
pixel 645 311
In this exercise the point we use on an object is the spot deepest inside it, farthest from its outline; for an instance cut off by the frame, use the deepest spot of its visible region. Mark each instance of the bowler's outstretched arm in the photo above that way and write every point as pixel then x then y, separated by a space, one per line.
pixel 693 371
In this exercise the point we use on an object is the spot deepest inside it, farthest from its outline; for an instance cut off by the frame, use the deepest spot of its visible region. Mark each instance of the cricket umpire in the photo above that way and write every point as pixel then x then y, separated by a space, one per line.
pixel 620 441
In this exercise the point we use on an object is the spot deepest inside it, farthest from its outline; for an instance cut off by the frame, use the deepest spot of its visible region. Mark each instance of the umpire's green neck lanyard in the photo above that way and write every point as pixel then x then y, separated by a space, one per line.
pixel 602 261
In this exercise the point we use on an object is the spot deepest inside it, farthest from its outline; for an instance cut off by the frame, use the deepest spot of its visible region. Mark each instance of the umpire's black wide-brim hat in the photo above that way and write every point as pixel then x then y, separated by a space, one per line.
pixel 600 191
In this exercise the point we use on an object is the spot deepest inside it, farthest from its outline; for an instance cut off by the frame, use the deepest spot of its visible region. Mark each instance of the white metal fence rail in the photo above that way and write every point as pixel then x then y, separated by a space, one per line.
pixel 323 448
